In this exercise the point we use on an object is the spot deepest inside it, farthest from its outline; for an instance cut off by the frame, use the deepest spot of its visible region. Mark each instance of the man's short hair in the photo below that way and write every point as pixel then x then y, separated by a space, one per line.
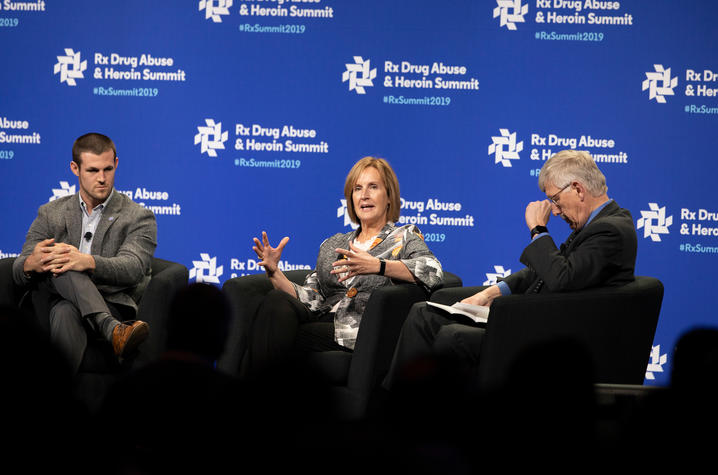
pixel 94 143
pixel 568 166
pixel 391 183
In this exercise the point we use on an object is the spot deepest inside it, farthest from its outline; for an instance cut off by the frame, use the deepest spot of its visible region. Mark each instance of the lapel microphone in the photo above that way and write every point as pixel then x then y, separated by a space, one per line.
pixel 88 236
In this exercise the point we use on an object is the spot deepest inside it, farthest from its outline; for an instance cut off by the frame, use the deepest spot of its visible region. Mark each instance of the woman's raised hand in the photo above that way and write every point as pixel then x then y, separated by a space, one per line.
pixel 269 256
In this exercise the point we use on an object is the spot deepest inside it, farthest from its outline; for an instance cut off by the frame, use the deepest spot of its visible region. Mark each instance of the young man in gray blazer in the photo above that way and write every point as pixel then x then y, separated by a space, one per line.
pixel 601 251
pixel 89 256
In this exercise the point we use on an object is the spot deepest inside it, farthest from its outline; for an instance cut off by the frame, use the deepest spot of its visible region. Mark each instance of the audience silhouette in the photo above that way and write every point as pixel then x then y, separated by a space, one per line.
pixel 179 413
pixel 172 410
pixel 42 420
pixel 677 425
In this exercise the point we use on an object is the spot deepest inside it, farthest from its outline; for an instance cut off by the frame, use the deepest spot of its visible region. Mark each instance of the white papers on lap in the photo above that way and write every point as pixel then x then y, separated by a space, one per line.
pixel 477 313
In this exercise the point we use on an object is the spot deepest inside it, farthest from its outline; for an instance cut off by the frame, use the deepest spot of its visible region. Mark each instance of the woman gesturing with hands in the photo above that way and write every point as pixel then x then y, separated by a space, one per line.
pixel 324 313
pixel 269 258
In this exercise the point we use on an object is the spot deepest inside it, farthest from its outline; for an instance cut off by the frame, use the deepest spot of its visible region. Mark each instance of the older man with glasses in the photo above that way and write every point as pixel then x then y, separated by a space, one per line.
pixel 601 251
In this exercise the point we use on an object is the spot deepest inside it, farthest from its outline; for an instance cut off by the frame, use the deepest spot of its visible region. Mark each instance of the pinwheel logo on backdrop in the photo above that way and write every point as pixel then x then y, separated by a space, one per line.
pixel 510 12
pixel 214 9
pixel 211 137
pixel 359 74
pixel 71 66
pixel 659 83
pixel 505 148
pixel 64 190
pixel 654 222
pixel 657 360
pixel 492 277
pixel 343 211
pixel 206 270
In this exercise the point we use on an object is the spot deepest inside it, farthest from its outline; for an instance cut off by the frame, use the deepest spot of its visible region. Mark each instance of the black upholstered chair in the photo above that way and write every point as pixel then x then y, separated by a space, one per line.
pixel 615 324
pixel 352 376
pixel 99 366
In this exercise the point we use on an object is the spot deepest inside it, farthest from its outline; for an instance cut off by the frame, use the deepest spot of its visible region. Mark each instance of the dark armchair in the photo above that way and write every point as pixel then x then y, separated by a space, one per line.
pixel 615 324
pixel 351 376
pixel 99 366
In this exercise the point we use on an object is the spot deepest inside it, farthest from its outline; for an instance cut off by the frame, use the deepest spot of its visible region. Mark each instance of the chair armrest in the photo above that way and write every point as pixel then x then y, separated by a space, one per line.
pixel 449 280
pixel 379 330
pixel 245 294
pixel 10 293
pixel 615 324
pixel 167 279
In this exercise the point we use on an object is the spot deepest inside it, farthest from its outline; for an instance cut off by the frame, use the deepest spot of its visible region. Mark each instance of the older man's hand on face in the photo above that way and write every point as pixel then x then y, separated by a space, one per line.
pixel 538 213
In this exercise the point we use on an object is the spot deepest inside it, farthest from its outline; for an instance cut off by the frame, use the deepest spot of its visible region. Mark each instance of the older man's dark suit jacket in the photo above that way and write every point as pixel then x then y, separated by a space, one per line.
pixel 602 253
pixel 123 244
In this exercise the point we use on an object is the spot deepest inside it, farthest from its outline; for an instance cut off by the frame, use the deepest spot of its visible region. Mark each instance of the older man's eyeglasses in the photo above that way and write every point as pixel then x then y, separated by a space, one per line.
pixel 554 198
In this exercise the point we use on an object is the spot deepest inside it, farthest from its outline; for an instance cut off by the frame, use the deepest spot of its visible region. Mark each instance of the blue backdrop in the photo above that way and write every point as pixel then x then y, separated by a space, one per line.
pixel 237 116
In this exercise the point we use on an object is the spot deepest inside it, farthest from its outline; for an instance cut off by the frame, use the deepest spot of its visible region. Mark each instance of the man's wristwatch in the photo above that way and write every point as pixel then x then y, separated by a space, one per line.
pixel 382 266
pixel 538 230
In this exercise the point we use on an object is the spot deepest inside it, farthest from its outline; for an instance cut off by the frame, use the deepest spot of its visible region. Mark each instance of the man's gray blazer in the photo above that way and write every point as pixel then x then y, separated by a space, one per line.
pixel 123 244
